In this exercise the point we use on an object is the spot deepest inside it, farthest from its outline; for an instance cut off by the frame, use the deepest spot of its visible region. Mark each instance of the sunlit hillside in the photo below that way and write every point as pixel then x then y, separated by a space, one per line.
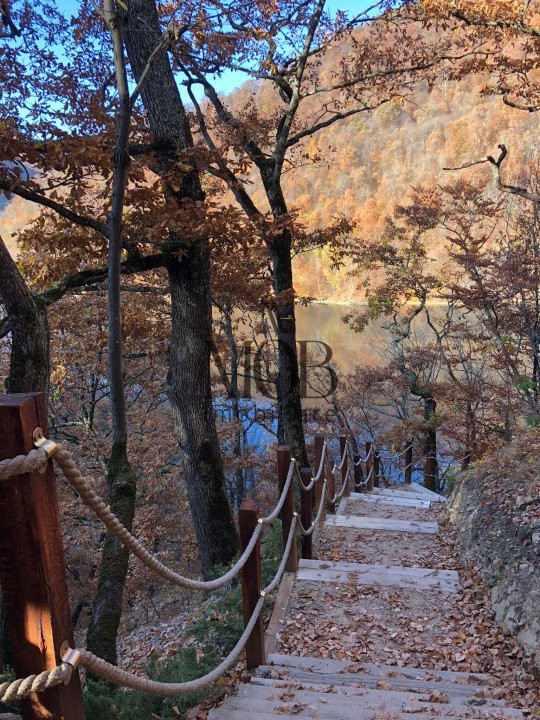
pixel 371 162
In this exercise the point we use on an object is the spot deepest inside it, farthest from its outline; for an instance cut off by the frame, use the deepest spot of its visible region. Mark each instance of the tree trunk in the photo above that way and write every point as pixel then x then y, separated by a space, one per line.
pixel 234 396
pixel 121 480
pixel 189 277
pixel 430 450
pixel 107 607
pixel 189 390
pixel 29 359
pixel 290 421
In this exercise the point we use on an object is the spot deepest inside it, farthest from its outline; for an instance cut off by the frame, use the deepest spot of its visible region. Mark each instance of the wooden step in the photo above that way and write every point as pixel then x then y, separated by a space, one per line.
pixel 370 675
pixel 401 491
pixel 388 525
pixel 398 501
pixel 361 701
pixel 378 670
pixel 428 493
pixel 315 685
pixel 399 682
pixel 363 574
pixel 329 706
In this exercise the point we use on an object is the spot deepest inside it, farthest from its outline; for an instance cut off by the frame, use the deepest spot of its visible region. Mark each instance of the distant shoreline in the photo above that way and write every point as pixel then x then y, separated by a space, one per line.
pixel 363 303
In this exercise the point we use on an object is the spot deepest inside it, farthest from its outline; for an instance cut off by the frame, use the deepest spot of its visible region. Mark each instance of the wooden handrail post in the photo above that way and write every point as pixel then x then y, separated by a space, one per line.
pixel 369 466
pixel 343 441
pixel 330 485
pixel 306 512
pixel 358 474
pixel 32 572
pixel 248 516
pixel 287 511
pixel 408 463
pixel 317 490
pixel 376 468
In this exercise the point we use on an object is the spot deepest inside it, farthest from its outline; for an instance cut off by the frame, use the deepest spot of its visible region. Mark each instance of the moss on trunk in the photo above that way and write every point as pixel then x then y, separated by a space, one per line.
pixel 107 608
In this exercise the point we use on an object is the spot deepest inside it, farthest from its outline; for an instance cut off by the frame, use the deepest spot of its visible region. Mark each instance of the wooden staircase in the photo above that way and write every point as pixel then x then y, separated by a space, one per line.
pixel 296 686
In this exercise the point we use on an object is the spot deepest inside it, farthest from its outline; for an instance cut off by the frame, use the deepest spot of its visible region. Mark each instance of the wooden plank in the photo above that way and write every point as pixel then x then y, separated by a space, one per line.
pixel 325 708
pixel 402 491
pixel 382 524
pixel 343 504
pixel 391 701
pixel 396 501
pixel 278 612
pixel 32 572
pixel 376 578
pixel 363 574
pixel 380 671
pixel 398 681
pixel 317 685
pixel 429 493
pixel 398 569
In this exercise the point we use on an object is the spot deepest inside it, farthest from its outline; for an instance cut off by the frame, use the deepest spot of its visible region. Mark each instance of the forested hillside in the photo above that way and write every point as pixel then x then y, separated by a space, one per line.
pixel 364 166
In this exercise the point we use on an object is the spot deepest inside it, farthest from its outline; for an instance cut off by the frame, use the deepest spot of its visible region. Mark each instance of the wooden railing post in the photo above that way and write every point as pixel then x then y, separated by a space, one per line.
pixel 330 485
pixel 343 440
pixel 369 465
pixel 318 445
pixel 248 515
pixel 408 463
pixel 32 572
pixel 287 511
pixel 306 507
pixel 358 474
pixel 376 468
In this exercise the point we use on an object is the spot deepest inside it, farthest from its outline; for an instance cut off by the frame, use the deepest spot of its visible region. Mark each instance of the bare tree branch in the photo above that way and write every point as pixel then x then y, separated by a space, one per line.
pixel 497 166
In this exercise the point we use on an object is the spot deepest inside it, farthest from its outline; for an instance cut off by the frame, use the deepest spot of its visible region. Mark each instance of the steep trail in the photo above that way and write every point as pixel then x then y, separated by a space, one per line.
pixel 384 625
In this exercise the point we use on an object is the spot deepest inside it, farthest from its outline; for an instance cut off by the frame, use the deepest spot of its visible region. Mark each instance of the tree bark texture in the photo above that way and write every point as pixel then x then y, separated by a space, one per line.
pixel 189 385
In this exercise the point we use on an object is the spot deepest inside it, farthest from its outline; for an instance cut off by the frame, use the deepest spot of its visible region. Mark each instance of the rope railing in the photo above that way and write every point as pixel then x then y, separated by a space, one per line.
pixel 113 524
pixel 309 531
pixel 309 486
pixel 22 464
pixel 275 512
pixel 71 658
pixel 320 471
pixel 322 484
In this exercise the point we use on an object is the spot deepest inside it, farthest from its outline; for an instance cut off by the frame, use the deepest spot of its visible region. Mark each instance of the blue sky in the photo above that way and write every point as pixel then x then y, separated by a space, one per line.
pixel 229 79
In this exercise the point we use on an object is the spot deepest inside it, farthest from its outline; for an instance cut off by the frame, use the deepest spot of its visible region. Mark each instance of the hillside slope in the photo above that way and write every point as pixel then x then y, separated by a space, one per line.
pixel 496 508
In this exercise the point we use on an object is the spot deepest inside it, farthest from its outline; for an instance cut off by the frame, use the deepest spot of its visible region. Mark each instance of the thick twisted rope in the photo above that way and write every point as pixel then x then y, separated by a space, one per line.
pixel 344 456
pixel 366 458
pixel 112 523
pixel 23 463
pixel 321 462
pixel 275 512
pixel 316 521
pixel 281 569
pixel 114 674
pixel 341 493
pixel 22 687
pixel 305 488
